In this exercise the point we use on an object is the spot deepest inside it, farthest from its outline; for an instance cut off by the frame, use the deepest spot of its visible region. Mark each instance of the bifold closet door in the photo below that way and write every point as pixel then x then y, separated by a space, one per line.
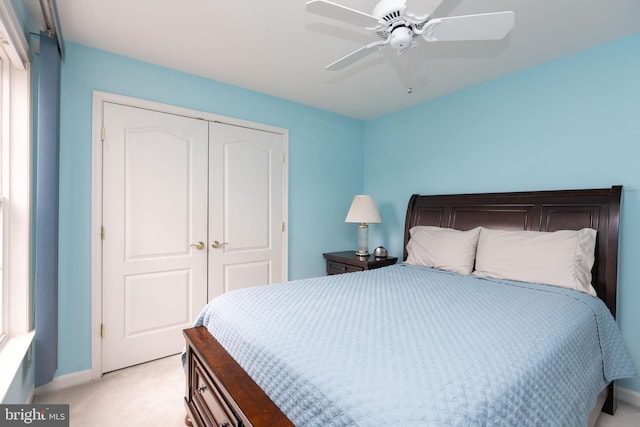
pixel 155 200
pixel 246 208
pixel 191 209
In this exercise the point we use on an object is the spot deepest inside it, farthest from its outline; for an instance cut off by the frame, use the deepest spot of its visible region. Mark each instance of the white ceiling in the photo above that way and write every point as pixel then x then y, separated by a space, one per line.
pixel 276 47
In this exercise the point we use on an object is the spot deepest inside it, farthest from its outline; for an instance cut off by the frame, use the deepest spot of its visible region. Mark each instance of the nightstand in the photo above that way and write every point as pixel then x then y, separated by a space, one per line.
pixel 348 262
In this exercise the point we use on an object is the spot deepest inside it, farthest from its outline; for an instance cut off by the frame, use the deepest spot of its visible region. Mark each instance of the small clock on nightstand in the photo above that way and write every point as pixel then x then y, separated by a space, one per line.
pixel 348 262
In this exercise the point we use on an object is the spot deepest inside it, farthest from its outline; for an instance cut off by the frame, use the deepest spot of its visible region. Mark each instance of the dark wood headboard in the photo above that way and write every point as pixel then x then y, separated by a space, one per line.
pixel 533 210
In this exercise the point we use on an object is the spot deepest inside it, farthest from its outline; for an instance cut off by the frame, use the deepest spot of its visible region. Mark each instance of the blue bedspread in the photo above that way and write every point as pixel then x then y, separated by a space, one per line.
pixel 411 346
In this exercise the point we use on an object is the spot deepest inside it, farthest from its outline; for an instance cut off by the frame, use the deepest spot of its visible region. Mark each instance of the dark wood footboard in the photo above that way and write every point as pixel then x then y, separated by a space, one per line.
pixel 219 392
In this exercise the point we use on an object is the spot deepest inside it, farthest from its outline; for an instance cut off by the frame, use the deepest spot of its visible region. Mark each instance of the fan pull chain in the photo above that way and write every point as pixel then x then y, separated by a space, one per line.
pixel 409 88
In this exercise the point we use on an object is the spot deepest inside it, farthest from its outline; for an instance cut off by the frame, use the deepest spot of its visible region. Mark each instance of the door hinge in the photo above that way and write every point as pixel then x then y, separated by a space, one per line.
pixel 102 133
pixel 282 158
pixel 102 232
pixel 101 330
pixel 282 226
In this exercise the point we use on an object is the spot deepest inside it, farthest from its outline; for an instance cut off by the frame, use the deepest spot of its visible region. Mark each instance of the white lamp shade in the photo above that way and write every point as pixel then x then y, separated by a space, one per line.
pixel 363 211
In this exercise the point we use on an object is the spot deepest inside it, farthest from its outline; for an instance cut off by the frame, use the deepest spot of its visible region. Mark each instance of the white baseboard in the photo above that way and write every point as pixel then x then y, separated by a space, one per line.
pixel 65 381
pixel 628 396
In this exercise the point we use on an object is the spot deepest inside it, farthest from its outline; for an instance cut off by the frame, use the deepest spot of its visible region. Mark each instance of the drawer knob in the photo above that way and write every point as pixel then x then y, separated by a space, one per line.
pixel 202 388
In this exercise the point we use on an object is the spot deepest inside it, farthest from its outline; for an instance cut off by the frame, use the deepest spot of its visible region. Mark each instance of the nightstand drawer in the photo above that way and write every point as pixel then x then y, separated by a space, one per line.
pixel 334 267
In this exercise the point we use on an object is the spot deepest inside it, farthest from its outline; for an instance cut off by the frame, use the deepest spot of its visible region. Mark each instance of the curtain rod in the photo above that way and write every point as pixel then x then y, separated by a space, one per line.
pixel 52 22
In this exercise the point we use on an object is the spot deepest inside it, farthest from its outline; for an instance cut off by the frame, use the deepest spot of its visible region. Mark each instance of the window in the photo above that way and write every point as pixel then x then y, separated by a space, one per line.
pixel 4 310
pixel 15 198
pixel 15 178
pixel 3 297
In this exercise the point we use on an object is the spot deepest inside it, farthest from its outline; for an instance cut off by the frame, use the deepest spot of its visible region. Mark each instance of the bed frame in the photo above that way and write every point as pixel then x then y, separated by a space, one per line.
pixel 220 393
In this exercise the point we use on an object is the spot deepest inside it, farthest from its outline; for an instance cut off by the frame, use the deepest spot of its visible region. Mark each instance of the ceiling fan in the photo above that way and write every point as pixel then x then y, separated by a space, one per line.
pixel 398 27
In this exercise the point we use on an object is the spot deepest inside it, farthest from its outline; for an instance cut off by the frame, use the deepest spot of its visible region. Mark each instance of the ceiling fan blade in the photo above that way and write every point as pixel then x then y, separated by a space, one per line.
pixel 356 55
pixel 341 13
pixel 484 26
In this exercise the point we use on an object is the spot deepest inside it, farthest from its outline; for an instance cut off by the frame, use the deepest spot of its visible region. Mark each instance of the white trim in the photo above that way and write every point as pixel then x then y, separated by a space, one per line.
pixel 99 98
pixel 16 211
pixel 10 30
pixel 19 198
pixel 96 241
pixel 65 381
pixel 11 357
pixel 16 189
pixel 628 396
pixel 5 189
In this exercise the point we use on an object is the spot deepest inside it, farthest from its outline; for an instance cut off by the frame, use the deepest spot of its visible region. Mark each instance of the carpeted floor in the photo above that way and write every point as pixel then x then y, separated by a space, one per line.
pixel 152 394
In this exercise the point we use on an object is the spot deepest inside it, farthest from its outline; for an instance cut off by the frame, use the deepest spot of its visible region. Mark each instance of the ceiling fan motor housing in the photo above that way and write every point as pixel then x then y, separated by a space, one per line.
pixel 400 34
pixel 388 10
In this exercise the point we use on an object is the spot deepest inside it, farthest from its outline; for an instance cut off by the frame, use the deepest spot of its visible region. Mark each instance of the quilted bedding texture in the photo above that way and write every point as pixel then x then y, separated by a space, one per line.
pixel 412 346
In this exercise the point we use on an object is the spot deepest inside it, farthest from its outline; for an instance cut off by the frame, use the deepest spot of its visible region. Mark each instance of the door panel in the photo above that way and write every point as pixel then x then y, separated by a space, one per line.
pixel 151 181
pixel 246 213
pixel 155 206
pixel 246 179
pixel 170 311
pixel 242 275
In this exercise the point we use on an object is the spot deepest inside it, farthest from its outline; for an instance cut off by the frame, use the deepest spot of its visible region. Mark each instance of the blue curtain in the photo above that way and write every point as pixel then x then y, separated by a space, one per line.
pixel 46 212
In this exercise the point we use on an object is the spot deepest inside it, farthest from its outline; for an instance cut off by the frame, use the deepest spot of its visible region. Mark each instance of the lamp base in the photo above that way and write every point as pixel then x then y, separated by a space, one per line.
pixel 363 240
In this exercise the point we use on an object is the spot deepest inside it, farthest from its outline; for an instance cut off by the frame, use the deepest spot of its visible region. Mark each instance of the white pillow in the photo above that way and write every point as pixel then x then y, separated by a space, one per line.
pixel 561 258
pixel 443 248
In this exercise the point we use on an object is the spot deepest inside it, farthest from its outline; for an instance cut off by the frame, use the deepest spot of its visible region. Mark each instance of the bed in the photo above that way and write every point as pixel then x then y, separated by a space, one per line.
pixel 377 347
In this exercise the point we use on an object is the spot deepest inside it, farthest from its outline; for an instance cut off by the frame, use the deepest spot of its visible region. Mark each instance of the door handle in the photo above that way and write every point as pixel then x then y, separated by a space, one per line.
pixel 198 245
pixel 218 245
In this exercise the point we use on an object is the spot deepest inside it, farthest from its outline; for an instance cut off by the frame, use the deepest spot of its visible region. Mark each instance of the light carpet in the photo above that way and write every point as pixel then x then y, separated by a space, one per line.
pixel 150 394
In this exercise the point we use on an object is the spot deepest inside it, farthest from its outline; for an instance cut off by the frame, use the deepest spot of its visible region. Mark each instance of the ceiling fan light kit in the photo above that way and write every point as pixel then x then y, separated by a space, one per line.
pixel 397 27
pixel 401 38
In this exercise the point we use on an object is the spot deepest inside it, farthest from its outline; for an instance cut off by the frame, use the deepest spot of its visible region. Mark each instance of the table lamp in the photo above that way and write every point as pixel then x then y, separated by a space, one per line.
pixel 363 211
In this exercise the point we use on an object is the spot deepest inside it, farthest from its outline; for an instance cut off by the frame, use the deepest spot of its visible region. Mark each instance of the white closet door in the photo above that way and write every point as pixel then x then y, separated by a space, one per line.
pixel 154 215
pixel 246 211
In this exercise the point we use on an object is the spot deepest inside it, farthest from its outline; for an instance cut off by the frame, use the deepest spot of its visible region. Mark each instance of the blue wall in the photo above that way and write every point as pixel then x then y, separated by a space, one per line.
pixel 325 171
pixel 571 123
